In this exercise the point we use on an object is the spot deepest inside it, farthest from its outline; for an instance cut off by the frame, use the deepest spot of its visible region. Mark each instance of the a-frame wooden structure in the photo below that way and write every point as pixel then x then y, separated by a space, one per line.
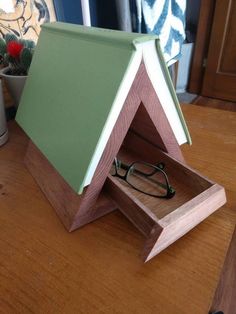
pixel 143 132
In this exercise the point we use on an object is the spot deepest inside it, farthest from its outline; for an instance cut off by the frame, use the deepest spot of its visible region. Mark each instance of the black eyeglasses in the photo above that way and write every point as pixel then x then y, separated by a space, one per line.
pixel 144 177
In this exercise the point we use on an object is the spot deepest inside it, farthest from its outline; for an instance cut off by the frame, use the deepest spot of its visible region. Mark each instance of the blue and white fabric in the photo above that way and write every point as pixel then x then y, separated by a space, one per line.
pixel 165 18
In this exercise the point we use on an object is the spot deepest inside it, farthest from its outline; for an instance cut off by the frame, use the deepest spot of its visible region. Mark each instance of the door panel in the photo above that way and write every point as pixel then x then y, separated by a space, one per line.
pixel 220 75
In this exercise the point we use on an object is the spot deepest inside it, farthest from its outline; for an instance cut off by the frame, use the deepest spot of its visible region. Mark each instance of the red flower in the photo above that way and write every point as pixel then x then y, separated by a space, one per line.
pixel 14 49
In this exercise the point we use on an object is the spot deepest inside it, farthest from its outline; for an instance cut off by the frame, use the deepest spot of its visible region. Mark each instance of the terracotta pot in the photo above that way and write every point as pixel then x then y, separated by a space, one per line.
pixel 15 85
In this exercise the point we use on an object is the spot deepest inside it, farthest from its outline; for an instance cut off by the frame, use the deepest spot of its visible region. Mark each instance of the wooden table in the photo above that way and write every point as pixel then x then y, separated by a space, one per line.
pixel 97 269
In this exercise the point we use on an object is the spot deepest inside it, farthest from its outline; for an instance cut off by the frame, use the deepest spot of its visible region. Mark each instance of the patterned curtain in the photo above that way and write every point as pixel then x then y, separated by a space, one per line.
pixel 165 18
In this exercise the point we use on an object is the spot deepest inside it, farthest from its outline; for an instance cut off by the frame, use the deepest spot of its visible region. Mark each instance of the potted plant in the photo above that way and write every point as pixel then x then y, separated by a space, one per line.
pixel 16 56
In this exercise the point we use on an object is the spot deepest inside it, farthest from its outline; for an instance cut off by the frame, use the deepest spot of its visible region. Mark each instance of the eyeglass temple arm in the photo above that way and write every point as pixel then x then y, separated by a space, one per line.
pixel 126 167
pixel 160 165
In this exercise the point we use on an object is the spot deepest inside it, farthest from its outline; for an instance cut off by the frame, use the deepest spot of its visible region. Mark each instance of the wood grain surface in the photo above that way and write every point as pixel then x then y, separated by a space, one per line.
pixel 98 269
pixel 220 72
pixel 201 45
pixel 64 200
pixel 163 221
pixel 215 103
pixel 225 296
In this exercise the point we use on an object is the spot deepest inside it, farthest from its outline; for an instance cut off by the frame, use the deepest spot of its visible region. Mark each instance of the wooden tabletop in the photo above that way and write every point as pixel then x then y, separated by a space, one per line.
pixel 98 269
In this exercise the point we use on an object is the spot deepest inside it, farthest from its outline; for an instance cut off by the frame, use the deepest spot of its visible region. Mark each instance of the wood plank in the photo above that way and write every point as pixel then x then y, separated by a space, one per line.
pixel 225 295
pixel 215 103
pixel 201 46
pixel 63 199
pixel 183 219
pixel 220 73
pixel 140 215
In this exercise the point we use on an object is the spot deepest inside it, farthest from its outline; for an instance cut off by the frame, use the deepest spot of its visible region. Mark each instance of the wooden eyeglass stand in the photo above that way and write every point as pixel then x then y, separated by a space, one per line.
pixel 142 132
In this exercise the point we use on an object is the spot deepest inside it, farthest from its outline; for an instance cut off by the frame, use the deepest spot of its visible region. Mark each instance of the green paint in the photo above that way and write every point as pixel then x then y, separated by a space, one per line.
pixel 73 80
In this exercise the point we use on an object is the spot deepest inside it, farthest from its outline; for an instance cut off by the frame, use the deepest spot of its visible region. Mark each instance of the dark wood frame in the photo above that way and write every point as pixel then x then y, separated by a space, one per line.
pixel 201 46
pixel 224 299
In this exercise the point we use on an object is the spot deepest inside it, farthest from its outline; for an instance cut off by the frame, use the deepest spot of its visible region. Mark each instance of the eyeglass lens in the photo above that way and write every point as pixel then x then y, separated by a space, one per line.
pixel 147 179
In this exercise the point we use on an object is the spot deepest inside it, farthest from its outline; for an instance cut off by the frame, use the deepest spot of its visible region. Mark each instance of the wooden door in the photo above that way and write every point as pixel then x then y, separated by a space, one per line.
pixel 220 75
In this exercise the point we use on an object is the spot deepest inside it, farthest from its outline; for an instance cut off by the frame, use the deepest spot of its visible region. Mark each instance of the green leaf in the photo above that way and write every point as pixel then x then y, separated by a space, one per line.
pixel 26 58
pixel 10 37
pixel 3 47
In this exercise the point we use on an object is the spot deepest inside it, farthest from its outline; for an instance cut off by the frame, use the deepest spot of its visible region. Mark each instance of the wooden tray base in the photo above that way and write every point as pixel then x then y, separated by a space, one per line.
pixel 163 221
